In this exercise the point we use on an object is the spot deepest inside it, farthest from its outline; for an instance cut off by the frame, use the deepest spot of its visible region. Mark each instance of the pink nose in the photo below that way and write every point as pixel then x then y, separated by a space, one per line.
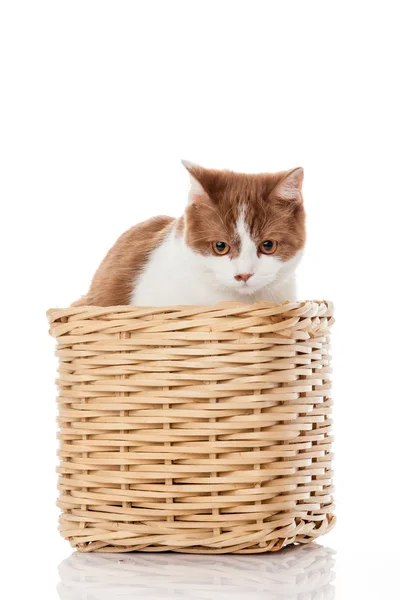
pixel 243 276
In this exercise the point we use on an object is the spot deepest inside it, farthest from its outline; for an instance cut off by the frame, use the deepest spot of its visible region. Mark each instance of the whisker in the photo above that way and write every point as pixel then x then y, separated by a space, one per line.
pixel 265 214
pixel 227 212
pixel 218 215
pixel 201 239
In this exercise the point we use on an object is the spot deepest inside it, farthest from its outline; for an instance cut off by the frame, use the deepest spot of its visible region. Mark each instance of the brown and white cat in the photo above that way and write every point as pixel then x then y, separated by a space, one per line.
pixel 241 238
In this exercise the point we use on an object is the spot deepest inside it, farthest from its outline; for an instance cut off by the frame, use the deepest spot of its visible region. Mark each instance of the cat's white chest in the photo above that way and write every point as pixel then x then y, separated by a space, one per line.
pixel 172 276
pixel 175 275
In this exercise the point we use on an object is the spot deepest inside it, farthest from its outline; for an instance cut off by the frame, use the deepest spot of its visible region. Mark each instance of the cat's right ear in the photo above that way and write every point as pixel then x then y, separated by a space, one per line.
pixel 196 191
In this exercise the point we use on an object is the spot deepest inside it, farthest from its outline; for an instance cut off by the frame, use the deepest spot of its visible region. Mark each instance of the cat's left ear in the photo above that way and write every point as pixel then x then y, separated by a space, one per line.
pixel 289 187
pixel 196 191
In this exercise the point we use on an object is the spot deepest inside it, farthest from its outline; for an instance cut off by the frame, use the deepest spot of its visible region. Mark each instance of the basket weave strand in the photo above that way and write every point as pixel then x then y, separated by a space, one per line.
pixel 194 429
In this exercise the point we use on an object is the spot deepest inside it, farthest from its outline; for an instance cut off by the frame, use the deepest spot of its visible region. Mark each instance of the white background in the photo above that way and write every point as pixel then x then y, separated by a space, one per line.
pixel 99 101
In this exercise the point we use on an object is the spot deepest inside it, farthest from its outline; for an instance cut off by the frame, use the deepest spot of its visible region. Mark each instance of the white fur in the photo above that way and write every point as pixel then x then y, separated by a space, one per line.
pixel 175 274
pixel 247 259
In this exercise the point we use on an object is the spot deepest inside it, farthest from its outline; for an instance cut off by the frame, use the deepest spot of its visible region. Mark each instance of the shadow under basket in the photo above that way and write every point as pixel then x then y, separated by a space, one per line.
pixel 194 429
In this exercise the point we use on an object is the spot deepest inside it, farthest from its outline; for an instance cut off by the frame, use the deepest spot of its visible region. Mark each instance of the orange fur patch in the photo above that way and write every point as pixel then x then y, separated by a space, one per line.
pixel 114 280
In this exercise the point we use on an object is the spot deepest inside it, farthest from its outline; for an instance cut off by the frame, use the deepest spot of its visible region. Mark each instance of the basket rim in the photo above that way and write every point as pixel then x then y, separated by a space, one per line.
pixel 233 307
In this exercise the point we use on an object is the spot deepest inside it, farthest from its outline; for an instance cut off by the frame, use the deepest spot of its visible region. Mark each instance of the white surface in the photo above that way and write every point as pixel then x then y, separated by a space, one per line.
pixel 99 101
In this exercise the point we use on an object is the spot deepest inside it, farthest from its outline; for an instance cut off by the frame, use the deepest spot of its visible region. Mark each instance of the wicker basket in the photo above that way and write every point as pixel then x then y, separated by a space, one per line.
pixel 194 429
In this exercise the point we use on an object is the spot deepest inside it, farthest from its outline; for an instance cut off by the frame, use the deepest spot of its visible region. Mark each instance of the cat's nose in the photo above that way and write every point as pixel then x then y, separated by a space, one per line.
pixel 243 276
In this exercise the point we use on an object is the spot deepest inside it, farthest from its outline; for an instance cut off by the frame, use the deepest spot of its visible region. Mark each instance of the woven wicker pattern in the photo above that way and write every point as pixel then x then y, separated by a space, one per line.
pixel 194 429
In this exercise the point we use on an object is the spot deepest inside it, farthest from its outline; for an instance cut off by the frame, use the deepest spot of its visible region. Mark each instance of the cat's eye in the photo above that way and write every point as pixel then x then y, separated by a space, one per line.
pixel 268 247
pixel 221 248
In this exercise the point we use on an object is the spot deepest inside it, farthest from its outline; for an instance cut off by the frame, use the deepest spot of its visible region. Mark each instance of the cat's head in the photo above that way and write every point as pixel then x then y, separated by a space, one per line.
pixel 247 231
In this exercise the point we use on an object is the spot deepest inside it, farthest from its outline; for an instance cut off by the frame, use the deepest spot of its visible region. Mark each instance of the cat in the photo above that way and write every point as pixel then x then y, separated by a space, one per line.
pixel 240 239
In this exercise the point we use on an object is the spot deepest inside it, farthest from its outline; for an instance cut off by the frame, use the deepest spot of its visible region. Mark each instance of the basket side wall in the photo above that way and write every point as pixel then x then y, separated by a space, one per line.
pixel 194 429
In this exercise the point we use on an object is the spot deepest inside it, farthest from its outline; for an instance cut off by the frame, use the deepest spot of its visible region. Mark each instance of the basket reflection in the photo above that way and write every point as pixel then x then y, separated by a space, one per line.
pixel 296 573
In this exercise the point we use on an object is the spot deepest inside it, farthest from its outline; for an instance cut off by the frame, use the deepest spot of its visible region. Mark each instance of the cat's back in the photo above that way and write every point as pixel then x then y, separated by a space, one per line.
pixel 113 281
